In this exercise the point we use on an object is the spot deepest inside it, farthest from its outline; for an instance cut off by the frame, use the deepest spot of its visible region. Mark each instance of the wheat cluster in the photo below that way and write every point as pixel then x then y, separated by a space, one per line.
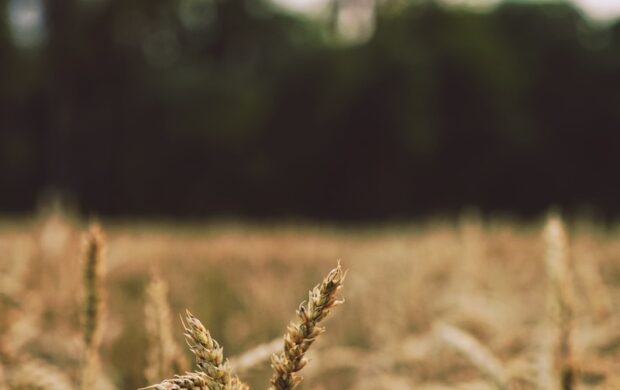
pixel 214 372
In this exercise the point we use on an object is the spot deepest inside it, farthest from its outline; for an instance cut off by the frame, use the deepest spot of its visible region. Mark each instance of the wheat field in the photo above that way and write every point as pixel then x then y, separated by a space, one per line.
pixel 463 303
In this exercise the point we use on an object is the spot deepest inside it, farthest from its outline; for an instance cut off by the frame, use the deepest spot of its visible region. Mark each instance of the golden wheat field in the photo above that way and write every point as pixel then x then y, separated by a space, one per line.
pixel 468 303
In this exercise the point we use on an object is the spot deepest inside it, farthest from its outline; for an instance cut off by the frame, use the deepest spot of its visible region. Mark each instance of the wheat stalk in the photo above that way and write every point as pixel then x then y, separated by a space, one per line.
pixel 560 308
pixel 94 244
pixel 163 356
pixel 255 356
pixel 93 303
pixel 479 355
pixel 303 332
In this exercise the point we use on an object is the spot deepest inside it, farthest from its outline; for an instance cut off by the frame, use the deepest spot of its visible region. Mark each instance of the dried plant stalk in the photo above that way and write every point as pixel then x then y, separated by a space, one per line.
pixel 560 307
pixel 304 331
pixel 255 356
pixel 479 355
pixel 93 306
pixel 163 355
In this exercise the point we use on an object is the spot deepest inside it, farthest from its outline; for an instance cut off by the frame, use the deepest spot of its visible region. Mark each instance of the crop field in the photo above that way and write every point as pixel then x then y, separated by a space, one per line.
pixel 463 303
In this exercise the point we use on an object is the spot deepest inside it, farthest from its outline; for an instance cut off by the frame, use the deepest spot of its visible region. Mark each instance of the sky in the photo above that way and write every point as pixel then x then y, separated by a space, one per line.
pixel 601 10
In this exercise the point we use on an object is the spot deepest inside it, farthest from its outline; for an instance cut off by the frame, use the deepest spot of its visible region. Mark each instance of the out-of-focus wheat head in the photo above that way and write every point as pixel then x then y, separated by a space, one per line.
pixel 304 331
pixel 163 355
pixel 93 307
pixel 38 375
pixel 93 300
pixel 556 366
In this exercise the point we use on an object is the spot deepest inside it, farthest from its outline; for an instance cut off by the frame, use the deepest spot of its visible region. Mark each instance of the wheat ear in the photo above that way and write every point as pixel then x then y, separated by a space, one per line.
pixel 209 354
pixel 560 305
pixel 163 355
pixel 304 331
pixel 93 305
pixel 214 374
pixel 94 247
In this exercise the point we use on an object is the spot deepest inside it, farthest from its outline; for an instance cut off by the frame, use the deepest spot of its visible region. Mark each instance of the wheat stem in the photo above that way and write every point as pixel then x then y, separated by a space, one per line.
pixel 163 356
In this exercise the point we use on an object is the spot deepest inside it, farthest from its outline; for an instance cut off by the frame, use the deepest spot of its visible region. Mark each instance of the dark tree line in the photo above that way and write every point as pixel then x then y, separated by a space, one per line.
pixel 127 110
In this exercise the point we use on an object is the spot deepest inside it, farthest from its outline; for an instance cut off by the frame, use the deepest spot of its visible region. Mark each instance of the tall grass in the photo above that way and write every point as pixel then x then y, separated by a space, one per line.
pixel 476 304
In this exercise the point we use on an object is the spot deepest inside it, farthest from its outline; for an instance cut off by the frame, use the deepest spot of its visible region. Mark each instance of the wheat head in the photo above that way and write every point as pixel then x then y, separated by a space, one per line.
pixel 304 331
pixel 163 355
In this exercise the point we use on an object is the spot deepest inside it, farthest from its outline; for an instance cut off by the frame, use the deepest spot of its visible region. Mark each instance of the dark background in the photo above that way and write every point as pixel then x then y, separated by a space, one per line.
pixel 124 109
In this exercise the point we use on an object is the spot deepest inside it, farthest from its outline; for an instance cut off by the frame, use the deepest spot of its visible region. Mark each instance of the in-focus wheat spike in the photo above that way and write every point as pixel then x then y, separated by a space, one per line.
pixel 163 355
pixel 560 301
pixel 195 381
pixel 214 374
pixel 304 331
pixel 189 381
pixel 209 354
pixel 93 306
pixel 480 356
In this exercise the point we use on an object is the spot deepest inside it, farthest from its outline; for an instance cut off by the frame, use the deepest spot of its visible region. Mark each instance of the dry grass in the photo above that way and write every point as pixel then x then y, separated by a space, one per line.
pixel 527 306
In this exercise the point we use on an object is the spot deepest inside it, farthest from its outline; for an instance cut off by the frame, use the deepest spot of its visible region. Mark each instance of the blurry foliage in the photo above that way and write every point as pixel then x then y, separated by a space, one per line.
pixel 218 107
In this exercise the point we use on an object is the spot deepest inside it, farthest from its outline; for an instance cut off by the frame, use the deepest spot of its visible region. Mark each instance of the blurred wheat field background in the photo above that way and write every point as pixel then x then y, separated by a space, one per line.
pixel 460 304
